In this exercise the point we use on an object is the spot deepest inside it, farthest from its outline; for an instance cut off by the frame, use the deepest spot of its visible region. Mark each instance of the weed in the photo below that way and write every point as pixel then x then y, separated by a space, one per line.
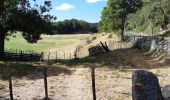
pixel 110 36
pixel 94 38
pixel 88 41
pixel 2 86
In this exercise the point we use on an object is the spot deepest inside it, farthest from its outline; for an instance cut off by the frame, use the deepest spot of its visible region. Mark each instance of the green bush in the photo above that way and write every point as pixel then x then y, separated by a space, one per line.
pixel 110 36
pixel 2 86
pixel 94 38
pixel 88 41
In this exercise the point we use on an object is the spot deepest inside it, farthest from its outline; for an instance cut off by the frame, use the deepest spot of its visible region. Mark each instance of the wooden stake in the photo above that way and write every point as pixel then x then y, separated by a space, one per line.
pixel 93 82
pixel 45 84
pixel 70 55
pixel 56 56
pixel 48 57
pixel 10 81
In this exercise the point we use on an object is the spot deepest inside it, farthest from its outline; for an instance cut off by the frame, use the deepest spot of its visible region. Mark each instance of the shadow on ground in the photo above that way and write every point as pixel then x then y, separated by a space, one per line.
pixel 122 58
pixel 117 59
pixel 31 70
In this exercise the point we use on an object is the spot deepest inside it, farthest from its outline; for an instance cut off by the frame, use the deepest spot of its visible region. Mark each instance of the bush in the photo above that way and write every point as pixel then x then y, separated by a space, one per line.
pixel 110 36
pixel 78 48
pixel 94 38
pixel 88 41
pixel 2 86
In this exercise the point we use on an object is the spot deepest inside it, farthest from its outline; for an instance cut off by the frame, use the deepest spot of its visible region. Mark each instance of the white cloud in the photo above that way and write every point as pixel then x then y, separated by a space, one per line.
pixel 94 1
pixel 65 6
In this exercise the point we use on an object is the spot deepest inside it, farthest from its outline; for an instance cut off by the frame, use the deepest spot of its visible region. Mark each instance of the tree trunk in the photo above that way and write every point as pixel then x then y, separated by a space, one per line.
pixel 123 27
pixel 2 43
pixel 2 31
pixel 1 7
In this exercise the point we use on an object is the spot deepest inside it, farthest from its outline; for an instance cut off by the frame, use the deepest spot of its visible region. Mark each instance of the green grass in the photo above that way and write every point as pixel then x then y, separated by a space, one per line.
pixel 47 42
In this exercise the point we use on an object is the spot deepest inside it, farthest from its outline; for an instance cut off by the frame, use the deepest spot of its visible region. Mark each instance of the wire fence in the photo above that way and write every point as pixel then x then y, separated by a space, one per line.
pixel 113 45
pixel 44 76
pixel 20 55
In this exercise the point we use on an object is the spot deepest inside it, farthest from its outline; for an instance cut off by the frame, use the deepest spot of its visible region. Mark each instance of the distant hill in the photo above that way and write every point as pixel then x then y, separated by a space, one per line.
pixel 74 26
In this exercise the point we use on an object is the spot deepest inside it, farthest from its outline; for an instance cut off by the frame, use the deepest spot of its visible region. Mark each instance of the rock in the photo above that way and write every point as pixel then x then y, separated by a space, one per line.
pixel 166 92
pixel 145 86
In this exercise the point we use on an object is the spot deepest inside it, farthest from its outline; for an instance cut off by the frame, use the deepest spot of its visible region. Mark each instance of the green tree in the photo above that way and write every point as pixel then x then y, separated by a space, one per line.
pixel 73 26
pixel 20 15
pixel 114 16
pixel 153 16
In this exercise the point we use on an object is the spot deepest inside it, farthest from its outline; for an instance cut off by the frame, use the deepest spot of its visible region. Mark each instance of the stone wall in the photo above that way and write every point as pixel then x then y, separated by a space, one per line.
pixel 152 44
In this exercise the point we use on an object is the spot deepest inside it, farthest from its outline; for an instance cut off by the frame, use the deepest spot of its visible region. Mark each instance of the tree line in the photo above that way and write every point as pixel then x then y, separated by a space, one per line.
pixel 74 26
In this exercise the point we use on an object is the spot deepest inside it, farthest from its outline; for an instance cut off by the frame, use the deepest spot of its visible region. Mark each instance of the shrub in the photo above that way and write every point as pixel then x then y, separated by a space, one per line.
pixel 2 86
pixel 94 38
pixel 110 36
pixel 88 41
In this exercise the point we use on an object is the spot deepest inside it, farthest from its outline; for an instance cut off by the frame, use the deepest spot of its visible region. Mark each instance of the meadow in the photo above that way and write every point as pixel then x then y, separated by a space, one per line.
pixel 46 43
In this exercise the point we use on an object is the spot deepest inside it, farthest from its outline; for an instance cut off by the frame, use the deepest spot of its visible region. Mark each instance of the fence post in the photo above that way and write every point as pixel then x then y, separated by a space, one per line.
pixel 48 57
pixel 45 84
pixel 70 55
pixel 10 81
pixel 42 56
pixel 64 55
pixel 93 82
pixel 56 56
pixel 21 55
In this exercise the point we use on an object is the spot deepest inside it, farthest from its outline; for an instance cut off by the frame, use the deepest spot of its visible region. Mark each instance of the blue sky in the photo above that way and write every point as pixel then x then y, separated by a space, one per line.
pixel 88 10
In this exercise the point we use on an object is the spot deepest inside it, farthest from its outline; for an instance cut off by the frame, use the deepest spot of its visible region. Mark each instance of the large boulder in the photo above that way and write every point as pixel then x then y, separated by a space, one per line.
pixel 166 92
pixel 145 86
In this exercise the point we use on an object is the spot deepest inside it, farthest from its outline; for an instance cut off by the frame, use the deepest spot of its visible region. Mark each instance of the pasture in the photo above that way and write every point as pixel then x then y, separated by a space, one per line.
pixel 48 42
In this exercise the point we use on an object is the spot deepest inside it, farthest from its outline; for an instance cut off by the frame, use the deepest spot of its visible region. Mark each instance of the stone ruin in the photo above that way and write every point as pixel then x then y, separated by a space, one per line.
pixel 148 43
pixel 152 44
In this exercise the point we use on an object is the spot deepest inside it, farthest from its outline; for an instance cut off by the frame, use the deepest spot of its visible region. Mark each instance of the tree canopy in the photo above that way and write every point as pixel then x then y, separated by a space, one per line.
pixel 75 26
pixel 146 16
pixel 21 15
pixel 114 15
pixel 153 16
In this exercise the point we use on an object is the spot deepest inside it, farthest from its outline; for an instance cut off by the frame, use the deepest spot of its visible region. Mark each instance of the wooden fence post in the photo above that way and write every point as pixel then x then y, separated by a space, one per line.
pixel 70 55
pixel 45 84
pixel 64 55
pixel 48 57
pixel 21 55
pixel 10 81
pixel 93 82
pixel 42 56
pixel 56 56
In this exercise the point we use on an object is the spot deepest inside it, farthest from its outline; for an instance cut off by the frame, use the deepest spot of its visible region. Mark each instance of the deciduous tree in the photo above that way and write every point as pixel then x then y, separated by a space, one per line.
pixel 28 18
pixel 114 16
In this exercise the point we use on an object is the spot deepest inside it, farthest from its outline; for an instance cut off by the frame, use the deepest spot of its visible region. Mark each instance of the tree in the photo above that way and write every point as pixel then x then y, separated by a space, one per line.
pixel 153 16
pixel 158 12
pixel 20 15
pixel 115 14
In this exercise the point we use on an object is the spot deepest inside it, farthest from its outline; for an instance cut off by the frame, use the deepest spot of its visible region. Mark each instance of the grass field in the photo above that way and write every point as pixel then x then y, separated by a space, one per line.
pixel 47 42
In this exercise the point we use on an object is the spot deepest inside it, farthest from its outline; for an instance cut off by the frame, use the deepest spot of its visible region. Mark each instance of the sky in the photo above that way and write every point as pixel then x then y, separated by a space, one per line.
pixel 87 10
